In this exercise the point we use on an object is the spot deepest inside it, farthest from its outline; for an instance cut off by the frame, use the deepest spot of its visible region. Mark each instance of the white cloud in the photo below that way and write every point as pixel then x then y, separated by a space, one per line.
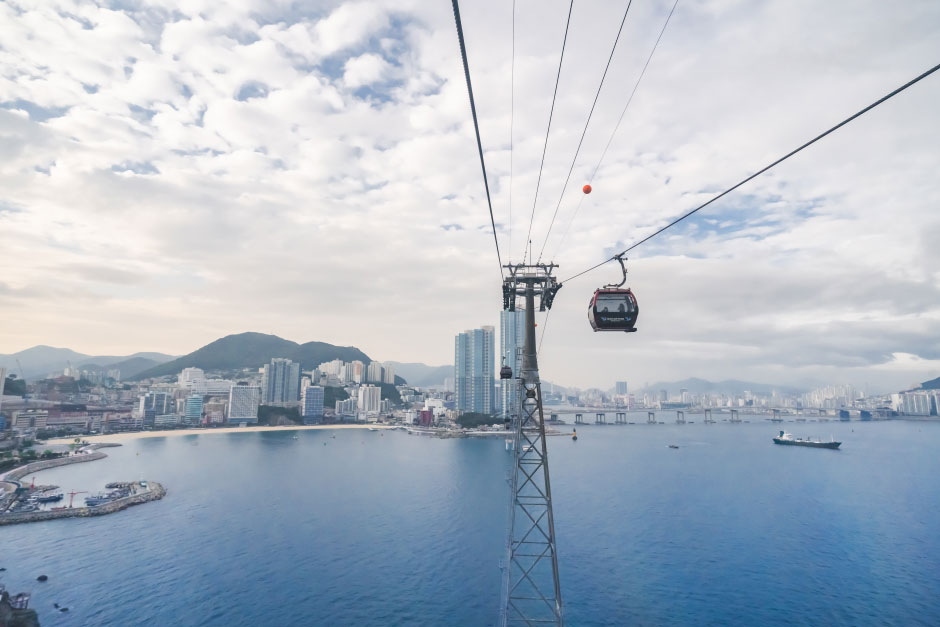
pixel 365 70
pixel 268 196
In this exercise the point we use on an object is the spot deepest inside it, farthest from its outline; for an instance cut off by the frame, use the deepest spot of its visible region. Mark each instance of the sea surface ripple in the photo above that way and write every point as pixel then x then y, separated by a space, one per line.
pixel 382 528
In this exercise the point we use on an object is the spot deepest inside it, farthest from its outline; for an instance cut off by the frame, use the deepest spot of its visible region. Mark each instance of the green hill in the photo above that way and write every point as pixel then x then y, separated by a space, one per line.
pixel 253 350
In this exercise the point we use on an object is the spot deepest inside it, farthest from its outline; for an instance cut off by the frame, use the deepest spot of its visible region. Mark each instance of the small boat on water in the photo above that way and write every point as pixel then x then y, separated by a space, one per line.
pixel 673 446
pixel 50 498
pixel 788 439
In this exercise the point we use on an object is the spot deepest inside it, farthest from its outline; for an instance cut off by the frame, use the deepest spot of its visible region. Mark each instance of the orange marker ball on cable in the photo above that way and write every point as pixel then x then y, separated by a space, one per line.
pixel 586 189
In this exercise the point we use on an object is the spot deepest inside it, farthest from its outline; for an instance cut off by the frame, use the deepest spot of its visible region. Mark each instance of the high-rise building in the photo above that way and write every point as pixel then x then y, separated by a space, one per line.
pixel 189 376
pixel 194 409
pixel 511 339
pixel 311 404
pixel 346 408
pixel 211 387
pixel 375 372
pixel 389 376
pixel 280 382
pixel 370 399
pixel 160 402
pixel 621 388
pixel 3 381
pixel 473 370
pixel 357 371
pixel 243 401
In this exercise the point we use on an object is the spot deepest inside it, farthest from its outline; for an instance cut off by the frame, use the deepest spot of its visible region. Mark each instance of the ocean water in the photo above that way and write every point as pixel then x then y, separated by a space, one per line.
pixel 369 528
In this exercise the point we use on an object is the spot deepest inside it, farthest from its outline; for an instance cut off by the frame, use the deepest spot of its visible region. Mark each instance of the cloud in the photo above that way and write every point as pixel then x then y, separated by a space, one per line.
pixel 365 70
pixel 295 168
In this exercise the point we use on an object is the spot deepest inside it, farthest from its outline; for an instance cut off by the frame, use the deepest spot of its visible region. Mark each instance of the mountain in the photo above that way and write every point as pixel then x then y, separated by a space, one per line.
pixel 253 350
pixel 933 384
pixel 422 375
pixel 40 361
pixel 129 367
pixel 729 387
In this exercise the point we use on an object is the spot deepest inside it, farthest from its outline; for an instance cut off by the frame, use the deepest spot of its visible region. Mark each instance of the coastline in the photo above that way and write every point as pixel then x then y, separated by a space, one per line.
pixel 137 435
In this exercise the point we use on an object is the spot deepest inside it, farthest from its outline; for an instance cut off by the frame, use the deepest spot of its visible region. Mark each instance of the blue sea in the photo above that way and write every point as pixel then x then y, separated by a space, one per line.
pixel 351 527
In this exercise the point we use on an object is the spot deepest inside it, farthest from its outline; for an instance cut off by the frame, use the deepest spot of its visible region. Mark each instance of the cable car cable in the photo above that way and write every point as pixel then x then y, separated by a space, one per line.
pixel 616 128
pixel 765 168
pixel 476 127
pixel 512 115
pixel 538 351
pixel 584 132
pixel 547 130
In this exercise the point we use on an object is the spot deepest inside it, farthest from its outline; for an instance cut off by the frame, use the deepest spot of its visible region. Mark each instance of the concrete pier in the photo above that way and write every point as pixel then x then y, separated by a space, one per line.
pixel 149 491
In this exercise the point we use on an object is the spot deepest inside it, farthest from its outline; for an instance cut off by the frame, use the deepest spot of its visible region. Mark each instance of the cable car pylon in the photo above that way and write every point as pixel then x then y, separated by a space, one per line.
pixel 531 588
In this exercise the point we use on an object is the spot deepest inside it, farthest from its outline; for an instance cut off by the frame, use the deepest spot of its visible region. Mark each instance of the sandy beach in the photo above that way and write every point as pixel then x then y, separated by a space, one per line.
pixel 136 435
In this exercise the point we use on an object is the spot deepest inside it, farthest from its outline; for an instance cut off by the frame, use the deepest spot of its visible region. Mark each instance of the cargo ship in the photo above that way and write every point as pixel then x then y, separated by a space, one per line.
pixel 787 438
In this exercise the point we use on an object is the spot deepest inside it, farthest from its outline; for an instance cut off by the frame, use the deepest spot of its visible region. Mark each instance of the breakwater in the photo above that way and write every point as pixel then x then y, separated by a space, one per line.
pixel 45 464
pixel 150 491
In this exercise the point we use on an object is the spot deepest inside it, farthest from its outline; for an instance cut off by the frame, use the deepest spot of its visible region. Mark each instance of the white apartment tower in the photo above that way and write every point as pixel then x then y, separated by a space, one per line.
pixel 511 338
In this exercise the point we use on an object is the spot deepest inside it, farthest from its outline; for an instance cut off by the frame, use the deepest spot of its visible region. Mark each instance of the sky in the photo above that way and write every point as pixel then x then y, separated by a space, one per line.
pixel 173 172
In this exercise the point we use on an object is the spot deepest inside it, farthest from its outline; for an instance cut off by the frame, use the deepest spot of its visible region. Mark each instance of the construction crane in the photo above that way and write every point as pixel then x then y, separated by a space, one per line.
pixel 72 496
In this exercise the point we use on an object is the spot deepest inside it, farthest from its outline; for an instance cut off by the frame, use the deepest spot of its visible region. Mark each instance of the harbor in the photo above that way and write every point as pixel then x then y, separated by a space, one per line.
pixel 20 503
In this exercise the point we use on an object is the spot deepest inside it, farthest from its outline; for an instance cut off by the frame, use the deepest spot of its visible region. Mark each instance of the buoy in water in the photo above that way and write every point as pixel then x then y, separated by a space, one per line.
pixel 574 435
pixel 42 578
pixel 586 189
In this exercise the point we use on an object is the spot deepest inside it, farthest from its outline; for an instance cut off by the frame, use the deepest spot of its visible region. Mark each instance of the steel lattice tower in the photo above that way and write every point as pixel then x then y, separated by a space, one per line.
pixel 531 589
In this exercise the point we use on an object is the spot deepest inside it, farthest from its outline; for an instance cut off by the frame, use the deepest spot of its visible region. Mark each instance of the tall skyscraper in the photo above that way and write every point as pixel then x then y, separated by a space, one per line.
pixel 473 370
pixel 358 371
pixel 194 409
pixel 280 382
pixel 243 401
pixel 511 338
pixel 375 372
pixel 622 388
pixel 389 376
pixel 370 398
pixel 3 381
pixel 311 405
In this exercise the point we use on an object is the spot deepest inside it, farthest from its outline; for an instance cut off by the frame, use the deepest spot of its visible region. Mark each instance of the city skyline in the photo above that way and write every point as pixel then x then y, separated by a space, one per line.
pixel 200 134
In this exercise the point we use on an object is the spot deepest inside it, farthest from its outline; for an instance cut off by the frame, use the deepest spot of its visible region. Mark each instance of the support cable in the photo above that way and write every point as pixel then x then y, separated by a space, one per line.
pixel 584 132
pixel 551 112
pixel 616 127
pixel 765 168
pixel 542 336
pixel 476 127
pixel 512 115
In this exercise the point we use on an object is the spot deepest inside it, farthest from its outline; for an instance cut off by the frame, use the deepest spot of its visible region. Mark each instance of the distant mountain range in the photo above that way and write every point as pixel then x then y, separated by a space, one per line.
pixel 422 375
pixel 40 361
pixel 729 387
pixel 933 384
pixel 253 350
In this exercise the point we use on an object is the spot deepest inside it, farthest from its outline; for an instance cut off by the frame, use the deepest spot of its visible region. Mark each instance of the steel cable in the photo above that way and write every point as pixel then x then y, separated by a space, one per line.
pixel 764 169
